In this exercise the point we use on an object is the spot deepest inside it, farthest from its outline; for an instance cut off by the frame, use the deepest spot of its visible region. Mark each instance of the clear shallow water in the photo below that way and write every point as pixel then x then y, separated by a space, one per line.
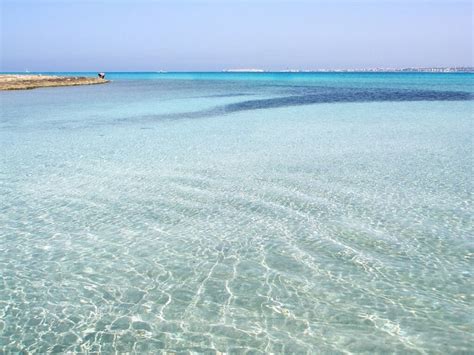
pixel 235 212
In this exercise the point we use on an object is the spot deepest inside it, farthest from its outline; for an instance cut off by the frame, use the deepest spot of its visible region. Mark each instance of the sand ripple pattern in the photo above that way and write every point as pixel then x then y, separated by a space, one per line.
pixel 310 229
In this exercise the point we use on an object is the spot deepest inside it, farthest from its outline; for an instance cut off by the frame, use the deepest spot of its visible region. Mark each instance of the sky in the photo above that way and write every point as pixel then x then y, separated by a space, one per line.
pixel 212 35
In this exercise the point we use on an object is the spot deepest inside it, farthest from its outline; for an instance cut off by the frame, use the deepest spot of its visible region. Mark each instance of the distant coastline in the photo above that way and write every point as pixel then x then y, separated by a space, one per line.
pixel 362 70
pixel 92 75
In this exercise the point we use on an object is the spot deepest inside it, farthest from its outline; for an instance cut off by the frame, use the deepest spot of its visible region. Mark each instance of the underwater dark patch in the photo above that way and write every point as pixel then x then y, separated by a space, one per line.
pixel 323 95
pixel 344 95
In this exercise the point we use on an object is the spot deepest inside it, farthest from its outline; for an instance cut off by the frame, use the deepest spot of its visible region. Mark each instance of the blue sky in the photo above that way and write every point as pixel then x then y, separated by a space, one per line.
pixel 207 35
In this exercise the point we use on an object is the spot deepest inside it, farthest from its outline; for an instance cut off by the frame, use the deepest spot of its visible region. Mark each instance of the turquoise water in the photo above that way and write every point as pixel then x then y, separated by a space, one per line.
pixel 284 213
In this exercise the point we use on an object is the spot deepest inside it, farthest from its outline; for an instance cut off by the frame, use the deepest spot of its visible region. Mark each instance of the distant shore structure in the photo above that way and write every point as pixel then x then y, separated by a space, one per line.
pixel 361 70
pixel 408 70
pixel 244 70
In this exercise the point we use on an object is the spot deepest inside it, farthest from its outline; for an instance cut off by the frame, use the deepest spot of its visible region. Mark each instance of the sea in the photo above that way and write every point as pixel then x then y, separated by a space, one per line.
pixel 238 213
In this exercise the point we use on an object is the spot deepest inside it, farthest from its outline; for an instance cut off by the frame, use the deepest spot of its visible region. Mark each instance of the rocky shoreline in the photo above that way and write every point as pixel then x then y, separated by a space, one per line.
pixel 26 81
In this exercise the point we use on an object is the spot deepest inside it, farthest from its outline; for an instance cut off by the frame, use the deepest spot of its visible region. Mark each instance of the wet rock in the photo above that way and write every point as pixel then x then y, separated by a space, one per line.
pixel 22 82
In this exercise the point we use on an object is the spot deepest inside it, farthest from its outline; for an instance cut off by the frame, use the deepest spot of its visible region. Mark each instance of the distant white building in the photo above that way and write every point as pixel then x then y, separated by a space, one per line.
pixel 244 70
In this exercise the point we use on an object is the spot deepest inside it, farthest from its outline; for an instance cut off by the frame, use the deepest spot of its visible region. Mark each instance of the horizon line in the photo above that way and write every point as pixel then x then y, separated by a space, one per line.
pixel 260 70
